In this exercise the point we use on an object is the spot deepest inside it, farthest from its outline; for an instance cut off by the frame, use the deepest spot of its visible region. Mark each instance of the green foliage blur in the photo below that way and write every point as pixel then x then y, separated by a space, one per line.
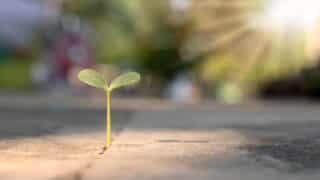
pixel 135 33
pixel 214 40
pixel 15 73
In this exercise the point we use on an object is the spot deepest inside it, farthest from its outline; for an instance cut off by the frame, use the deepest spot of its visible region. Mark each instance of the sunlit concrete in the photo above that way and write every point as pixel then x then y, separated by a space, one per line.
pixel 208 141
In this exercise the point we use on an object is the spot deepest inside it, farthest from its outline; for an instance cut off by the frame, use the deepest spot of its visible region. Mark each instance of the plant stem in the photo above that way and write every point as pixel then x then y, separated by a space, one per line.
pixel 108 120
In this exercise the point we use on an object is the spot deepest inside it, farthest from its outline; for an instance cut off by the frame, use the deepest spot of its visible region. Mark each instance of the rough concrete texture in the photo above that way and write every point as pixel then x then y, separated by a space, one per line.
pixel 246 142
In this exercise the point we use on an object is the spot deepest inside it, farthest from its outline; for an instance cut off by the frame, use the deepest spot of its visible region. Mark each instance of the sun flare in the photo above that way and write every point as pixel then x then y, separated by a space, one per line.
pixel 302 14
pixel 254 41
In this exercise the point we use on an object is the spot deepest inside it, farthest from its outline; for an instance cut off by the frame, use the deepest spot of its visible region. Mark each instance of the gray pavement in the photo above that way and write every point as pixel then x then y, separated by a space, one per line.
pixel 159 140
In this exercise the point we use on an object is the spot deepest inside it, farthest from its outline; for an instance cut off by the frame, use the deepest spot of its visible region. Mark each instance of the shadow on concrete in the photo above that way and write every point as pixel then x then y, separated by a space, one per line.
pixel 292 155
pixel 29 123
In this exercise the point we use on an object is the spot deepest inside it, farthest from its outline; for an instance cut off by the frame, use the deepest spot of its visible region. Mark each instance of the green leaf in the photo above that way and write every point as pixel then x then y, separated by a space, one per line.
pixel 92 78
pixel 124 80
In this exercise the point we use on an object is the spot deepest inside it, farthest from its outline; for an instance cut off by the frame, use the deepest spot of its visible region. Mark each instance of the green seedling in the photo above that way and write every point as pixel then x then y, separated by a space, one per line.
pixel 95 79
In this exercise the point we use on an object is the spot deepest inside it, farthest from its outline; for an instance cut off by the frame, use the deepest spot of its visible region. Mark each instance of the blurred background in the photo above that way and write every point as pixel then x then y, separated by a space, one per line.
pixel 186 50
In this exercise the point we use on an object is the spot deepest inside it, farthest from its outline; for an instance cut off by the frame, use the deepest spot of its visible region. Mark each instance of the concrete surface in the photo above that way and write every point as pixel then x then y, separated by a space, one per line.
pixel 260 140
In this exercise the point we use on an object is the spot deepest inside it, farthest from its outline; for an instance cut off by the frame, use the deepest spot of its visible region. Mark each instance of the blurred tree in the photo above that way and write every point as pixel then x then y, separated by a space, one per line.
pixel 226 39
pixel 137 33
pixel 14 72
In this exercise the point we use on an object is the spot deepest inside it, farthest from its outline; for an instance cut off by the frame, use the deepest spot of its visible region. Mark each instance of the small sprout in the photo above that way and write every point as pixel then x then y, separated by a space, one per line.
pixel 124 80
pixel 92 78
pixel 95 79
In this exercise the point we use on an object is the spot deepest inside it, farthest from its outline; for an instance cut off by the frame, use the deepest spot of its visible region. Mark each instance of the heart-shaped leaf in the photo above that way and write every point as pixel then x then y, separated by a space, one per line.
pixel 92 78
pixel 124 80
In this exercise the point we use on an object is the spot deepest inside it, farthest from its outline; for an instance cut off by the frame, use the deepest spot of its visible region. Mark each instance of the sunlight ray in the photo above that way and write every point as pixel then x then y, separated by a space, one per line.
pixel 227 38
pixel 229 4
pixel 242 47
pixel 221 23
pixel 275 55
pixel 252 59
